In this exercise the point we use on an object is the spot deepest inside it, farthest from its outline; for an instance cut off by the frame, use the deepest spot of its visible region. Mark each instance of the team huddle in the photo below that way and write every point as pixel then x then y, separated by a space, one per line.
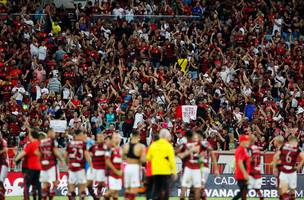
pixel 105 158
pixel 113 166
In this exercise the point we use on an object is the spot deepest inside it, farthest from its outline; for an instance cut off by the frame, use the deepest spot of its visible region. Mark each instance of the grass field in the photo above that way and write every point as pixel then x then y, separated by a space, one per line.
pixel 140 198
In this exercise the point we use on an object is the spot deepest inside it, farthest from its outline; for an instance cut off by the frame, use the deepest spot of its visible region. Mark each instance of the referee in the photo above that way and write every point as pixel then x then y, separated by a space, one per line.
pixel 33 165
pixel 162 158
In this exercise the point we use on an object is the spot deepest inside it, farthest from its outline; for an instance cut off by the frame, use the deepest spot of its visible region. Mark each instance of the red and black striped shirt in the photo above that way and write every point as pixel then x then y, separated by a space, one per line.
pixel 255 163
pixel 98 155
pixel 48 158
pixel 289 155
pixel 193 160
pixel 76 150
pixel 115 156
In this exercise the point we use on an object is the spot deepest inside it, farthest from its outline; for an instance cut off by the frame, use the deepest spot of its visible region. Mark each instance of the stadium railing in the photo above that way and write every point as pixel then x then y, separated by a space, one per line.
pixel 110 17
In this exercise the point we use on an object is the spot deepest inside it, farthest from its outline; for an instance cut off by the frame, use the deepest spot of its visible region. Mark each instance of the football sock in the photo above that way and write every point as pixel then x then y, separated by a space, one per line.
pixel 34 193
pixel 204 196
pixel 91 191
pixel 82 195
pixel 127 196
pixel 259 194
pixel 52 194
pixel 99 191
pixel 285 196
pixel 44 193
pixel 244 195
pixel 26 195
pixel 72 195
pixel 191 194
pixel 132 196
pixel 2 191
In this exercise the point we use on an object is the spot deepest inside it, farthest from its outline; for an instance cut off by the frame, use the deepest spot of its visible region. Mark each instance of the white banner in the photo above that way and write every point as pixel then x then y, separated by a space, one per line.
pixel 189 113
pixel 58 125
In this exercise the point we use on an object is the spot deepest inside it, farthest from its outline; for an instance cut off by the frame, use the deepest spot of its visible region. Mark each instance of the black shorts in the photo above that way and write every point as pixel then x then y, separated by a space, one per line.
pixel 161 187
pixel 32 177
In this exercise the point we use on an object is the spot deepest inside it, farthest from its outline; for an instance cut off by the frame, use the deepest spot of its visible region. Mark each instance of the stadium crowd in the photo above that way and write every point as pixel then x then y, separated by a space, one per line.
pixel 240 62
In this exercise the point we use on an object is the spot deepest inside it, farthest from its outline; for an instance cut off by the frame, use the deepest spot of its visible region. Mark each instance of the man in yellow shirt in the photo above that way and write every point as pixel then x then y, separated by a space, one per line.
pixel 162 158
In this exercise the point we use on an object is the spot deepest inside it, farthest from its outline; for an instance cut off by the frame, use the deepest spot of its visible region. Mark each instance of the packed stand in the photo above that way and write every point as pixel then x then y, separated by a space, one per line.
pixel 240 62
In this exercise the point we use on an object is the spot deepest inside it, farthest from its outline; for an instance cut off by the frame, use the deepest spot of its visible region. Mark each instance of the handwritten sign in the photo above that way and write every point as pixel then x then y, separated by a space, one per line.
pixel 189 113
pixel 58 125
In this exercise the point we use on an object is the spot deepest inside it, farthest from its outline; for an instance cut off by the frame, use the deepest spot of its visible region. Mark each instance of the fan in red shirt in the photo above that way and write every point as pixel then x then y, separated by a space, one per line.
pixel 77 154
pixel 76 102
pixel 113 162
pixel 6 91
pixel 48 158
pixel 192 173
pixel 97 171
pixel 3 165
pixel 169 56
pixel 242 166
pixel 255 174
pixel 287 157
pixel 143 132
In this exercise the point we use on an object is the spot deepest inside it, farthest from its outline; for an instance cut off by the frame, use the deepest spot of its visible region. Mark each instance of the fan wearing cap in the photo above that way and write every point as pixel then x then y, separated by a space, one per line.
pixel 242 166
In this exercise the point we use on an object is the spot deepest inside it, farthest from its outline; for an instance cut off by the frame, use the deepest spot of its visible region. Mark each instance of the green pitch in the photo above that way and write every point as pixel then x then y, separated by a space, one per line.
pixel 141 198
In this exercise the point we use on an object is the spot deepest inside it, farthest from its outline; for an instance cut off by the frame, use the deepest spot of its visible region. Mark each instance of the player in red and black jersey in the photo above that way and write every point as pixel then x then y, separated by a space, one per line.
pixel 97 171
pixel 192 174
pixel 113 163
pixel 3 165
pixel 287 156
pixel 205 168
pixel 278 142
pixel 77 154
pixel 255 174
pixel 48 158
